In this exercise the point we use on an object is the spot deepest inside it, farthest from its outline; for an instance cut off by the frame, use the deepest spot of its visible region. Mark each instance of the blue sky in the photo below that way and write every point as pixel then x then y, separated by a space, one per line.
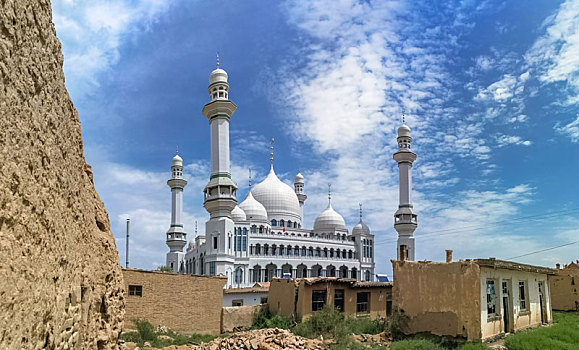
pixel 489 88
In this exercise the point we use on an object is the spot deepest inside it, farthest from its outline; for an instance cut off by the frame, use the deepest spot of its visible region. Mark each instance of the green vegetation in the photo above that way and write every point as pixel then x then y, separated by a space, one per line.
pixel 264 319
pixel 146 333
pixel 164 269
pixel 562 335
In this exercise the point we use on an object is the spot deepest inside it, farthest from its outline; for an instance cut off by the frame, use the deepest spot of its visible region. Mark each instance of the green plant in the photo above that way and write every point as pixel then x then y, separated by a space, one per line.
pixel 264 319
pixel 563 334
pixel 474 346
pixel 326 322
pixel 146 330
pixel 396 325
pixel 415 344
pixel 164 269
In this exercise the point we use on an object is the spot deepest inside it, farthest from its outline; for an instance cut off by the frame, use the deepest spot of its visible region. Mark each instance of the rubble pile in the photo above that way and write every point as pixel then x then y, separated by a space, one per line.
pixel 264 339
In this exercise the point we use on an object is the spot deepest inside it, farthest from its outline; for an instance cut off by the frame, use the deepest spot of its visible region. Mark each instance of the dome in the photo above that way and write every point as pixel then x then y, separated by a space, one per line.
pixel 237 214
pixel 299 179
pixel 253 209
pixel 218 76
pixel 404 130
pixel 177 160
pixel 329 219
pixel 280 200
pixel 361 229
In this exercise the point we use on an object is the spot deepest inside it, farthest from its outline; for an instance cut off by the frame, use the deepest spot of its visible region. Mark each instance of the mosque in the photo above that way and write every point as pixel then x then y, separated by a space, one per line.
pixel 263 237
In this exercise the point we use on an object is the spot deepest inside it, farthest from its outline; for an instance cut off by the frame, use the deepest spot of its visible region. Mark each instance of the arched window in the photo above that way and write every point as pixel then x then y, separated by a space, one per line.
pixel 296 251
pixel 274 222
pixel 261 229
pixel 281 250
pixel 289 223
pixel 238 275
pixel 295 224
pixel 367 275
pixel 282 223
pixel 258 249
pixel 304 250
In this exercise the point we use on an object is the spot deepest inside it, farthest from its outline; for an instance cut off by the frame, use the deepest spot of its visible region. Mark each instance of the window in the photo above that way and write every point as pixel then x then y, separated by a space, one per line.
pixel 263 300
pixel 215 242
pixel 212 268
pixel 136 290
pixel 318 299
pixel 237 302
pixel 282 223
pixel 367 277
pixel 274 222
pixel 362 302
pixel 523 295
pixel 339 299
pixel 491 299
pixel 238 275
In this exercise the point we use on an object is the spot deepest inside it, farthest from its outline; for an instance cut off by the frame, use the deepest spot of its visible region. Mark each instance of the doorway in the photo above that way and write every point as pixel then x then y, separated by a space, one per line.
pixel 507 306
pixel 542 303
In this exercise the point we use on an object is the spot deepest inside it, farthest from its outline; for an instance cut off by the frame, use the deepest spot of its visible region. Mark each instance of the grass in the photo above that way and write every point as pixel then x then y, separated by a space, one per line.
pixel 562 335
pixel 146 333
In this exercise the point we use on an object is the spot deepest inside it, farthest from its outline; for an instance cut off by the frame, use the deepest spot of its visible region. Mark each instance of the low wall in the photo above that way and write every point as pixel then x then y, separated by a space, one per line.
pixel 564 296
pixel 183 303
pixel 235 318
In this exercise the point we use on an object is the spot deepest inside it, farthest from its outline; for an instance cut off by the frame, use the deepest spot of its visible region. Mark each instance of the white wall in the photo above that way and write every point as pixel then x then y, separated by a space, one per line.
pixel 248 298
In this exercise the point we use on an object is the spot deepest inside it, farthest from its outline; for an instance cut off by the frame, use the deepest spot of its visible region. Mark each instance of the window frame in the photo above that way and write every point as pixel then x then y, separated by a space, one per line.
pixel 317 303
pixel 135 290
pixel 523 297
pixel 339 301
pixel 491 294
pixel 362 307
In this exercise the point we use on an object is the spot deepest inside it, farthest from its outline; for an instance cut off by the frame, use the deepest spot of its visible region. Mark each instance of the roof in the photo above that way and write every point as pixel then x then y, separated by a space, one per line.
pixel 246 290
pixel 171 273
pixel 350 281
pixel 511 265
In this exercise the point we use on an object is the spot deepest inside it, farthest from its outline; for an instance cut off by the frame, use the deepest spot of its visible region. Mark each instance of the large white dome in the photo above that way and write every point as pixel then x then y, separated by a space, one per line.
pixel 279 199
pixel 237 214
pixel 329 220
pixel 254 210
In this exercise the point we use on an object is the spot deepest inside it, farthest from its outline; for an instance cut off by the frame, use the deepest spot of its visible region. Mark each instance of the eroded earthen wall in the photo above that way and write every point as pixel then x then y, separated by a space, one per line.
pixel 282 297
pixel 438 298
pixel 184 303
pixel 236 318
pixel 564 295
pixel 61 282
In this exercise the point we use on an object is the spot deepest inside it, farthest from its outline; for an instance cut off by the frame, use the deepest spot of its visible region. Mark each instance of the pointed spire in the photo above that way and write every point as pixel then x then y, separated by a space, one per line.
pixel 177 151
pixel 329 194
pixel 217 59
pixel 250 178
pixel 403 117
pixel 360 204
pixel 195 227
pixel 271 151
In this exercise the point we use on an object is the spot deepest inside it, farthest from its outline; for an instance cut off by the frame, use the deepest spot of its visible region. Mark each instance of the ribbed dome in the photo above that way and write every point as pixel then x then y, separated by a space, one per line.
pixel 254 210
pixel 361 229
pixel 280 200
pixel 218 75
pixel 177 160
pixel 329 219
pixel 237 214
pixel 404 130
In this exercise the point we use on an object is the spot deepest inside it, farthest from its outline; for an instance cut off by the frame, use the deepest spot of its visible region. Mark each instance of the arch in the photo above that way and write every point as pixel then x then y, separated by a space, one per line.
pixel 274 222
pixel 257 273
pixel 238 276
pixel 281 223
pixel 343 271
pixel 367 276
pixel 273 249
pixel 331 252
pixel 296 251
pixel 331 271
pixel 325 253
pixel 289 223
pixel 302 271
pixel 344 254
pixel 261 229
pixel 354 273
pixel 258 249
pixel 286 268
pixel 350 254
pixel 270 271
pixel 266 249
pixel 253 228
pixel 311 251
pixel 318 252
pixel 289 250
pixel 316 271
pixel 281 250
pixel 295 224
pixel 304 251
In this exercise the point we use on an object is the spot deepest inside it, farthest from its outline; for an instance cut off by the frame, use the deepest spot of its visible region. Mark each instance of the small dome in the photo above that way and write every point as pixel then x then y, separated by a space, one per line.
pixel 404 130
pixel 329 219
pixel 254 211
pixel 280 200
pixel 237 214
pixel 299 179
pixel 218 76
pixel 177 160
pixel 361 229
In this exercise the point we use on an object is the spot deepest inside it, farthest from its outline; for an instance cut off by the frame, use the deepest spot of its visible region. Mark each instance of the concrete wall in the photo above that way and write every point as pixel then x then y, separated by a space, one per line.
pixel 564 294
pixel 184 303
pixel 238 318
pixel 521 318
pixel 439 298
pixel 249 298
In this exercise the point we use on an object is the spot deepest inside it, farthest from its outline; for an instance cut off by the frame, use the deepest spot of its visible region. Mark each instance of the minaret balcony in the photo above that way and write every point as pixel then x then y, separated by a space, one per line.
pixel 216 108
pixel 177 183
pixel 404 156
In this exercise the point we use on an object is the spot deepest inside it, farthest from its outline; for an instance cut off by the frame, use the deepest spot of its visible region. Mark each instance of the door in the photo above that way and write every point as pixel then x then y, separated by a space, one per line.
pixel 542 303
pixel 506 306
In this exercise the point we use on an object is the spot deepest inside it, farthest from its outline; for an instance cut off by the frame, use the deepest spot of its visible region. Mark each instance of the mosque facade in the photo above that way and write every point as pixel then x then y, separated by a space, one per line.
pixel 263 236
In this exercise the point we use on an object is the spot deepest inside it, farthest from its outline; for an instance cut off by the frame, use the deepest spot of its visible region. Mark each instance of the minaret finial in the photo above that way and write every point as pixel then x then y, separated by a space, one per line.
pixel 360 204
pixel 329 193
pixel 217 59
pixel 249 177
pixel 195 227
pixel 177 151
pixel 403 118
pixel 271 150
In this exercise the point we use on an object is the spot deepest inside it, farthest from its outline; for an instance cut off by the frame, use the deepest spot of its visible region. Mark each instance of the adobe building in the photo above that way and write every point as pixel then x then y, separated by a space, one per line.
pixel 564 287
pixel 251 296
pixel 299 298
pixel 183 303
pixel 474 299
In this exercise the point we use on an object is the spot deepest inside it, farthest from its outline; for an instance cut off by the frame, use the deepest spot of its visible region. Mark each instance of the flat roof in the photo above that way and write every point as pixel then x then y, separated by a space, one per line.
pixel 511 265
pixel 171 273
pixel 246 290
pixel 351 281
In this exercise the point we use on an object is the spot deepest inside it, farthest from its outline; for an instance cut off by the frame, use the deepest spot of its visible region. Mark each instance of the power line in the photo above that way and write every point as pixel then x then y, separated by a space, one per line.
pixel 543 250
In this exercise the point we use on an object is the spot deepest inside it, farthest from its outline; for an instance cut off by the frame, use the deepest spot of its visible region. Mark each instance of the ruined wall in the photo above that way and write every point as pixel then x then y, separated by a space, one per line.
pixel 61 282
pixel 238 318
pixel 439 298
pixel 564 295
pixel 184 303
pixel 281 298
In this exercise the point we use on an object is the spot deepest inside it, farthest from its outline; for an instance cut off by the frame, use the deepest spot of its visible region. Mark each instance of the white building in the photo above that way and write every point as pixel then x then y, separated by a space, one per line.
pixel 263 236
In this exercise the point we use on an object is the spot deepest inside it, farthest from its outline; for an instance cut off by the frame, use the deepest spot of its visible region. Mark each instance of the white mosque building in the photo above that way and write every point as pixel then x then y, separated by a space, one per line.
pixel 263 237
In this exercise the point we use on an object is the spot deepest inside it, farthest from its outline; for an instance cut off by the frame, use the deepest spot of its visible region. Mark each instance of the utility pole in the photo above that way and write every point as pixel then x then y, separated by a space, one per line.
pixel 127 245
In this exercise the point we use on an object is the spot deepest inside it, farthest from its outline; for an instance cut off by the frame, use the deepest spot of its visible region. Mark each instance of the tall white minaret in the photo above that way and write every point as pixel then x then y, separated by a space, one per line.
pixel 176 236
pixel 299 189
pixel 220 192
pixel 405 219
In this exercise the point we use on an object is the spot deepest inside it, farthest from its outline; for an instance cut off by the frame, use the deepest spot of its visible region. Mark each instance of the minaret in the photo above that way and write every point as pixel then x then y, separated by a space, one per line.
pixel 405 219
pixel 220 192
pixel 176 236
pixel 299 188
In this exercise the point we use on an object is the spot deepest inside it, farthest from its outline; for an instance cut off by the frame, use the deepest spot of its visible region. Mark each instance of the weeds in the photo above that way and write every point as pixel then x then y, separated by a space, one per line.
pixel 146 333
pixel 264 319
pixel 563 334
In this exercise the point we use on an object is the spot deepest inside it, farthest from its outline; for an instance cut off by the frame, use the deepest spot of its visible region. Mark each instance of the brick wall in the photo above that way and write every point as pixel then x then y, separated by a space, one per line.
pixel 184 303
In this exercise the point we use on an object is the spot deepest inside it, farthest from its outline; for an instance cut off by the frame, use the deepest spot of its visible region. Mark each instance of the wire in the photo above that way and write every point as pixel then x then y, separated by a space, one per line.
pixel 543 250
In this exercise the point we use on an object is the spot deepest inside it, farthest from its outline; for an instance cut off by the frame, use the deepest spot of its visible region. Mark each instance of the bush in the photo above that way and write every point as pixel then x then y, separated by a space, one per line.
pixel 396 325
pixel 415 344
pixel 474 346
pixel 264 319
pixel 164 269
pixel 146 330
pixel 325 322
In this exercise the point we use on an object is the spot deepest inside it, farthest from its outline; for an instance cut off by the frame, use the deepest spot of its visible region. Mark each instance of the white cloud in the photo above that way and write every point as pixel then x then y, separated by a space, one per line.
pixel 555 55
pixel 570 130
pixel 484 62
pixel 505 140
pixel 504 89
pixel 518 119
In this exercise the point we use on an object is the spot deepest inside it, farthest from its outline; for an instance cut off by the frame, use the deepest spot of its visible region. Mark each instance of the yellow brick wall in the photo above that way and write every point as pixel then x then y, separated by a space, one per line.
pixel 183 303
